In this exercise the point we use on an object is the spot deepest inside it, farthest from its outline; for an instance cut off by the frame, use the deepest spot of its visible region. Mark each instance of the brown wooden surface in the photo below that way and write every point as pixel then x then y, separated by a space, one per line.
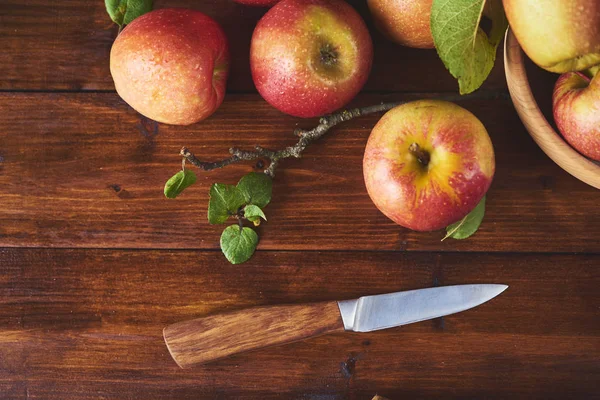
pixel 90 177
pixel 94 262
pixel 81 322
pixel 203 340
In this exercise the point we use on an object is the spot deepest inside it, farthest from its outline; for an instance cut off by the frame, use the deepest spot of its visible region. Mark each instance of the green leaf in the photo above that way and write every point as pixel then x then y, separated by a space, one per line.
pixel 178 182
pixel 225 200
pixel 257 188
pixel 123 12
pixel 254 213
pixel 465 48
pixel 237 244
pixel 468 225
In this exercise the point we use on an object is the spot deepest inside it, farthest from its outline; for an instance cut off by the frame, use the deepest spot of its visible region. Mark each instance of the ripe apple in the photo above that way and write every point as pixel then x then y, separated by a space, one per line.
pixel 260 3
pixel 171 65
pixel 310 57
pixel 427 164
pixel 576 107
pixel 558 35
pixel 404 21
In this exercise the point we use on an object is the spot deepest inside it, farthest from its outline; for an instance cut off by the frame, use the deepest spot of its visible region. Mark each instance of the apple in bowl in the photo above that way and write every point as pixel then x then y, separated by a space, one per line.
pixel 558 35
pixel 171 65
pixel 310 57
pixel 576 108
pixel 427 164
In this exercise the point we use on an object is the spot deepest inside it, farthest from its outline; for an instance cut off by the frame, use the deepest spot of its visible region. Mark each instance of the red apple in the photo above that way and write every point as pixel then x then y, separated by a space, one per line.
pixel 259 3
pixel 576 106
pixel 310 57
pixel 427 164
pixel 171 65
pixel 404 21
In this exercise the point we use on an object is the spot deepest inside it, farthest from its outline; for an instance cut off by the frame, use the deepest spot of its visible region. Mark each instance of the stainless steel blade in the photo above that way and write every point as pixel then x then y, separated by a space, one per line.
pixel 370 313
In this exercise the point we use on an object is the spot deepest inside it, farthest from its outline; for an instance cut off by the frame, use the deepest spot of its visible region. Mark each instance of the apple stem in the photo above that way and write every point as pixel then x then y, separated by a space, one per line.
pixel 328 55
pixel 421 155
pixel 305 137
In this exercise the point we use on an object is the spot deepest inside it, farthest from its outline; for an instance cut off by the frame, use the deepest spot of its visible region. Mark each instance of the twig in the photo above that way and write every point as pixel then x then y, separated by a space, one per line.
pixel 306 136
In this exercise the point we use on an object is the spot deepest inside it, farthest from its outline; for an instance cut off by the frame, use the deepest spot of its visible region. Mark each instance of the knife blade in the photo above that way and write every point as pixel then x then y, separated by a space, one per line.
pixel 214 337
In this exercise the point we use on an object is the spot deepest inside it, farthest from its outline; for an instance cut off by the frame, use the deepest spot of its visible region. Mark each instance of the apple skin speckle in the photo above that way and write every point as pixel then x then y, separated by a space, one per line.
pixel 258 3
pixel 171 65
pixel 406 22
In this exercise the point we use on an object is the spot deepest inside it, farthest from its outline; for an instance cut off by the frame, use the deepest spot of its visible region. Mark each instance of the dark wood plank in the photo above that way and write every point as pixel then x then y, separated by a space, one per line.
pixel 79 170
pixel 66 45
pixel 86 324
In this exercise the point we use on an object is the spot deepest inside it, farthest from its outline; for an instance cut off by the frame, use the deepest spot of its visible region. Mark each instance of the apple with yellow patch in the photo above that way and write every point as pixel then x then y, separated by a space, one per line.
pixel 427 164
pixel 558 35
pixel 310 57
pixel 171 65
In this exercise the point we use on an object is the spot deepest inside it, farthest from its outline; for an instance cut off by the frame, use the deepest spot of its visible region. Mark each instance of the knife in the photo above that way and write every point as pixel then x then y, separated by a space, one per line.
pixel 211 338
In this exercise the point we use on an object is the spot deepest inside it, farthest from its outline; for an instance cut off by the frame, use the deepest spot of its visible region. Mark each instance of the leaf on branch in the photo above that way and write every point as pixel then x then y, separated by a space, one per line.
pixel 225 200
pixel 256 188
pixel 237 244
pixel 178 182
pixel 463 39
pixel 123 12
pixel 254 213
pixel 468 225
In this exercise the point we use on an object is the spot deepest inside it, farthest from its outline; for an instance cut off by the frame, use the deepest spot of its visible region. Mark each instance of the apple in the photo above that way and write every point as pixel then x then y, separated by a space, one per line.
pixel 171 65
pixel 427 164
pixel 259 3
pixel 558 35
pixel 404 21
pixel 576 108
pixel 310 57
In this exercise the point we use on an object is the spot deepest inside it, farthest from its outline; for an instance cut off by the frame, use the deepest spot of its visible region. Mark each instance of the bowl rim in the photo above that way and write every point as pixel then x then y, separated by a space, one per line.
pixel 550 141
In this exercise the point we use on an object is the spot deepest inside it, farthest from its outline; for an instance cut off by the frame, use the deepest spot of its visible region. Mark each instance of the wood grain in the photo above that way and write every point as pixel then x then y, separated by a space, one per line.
pixel 549 140
pixel 207 339
pixel 66 44
pixel 95 262
pixel 87 323
pixel 83 170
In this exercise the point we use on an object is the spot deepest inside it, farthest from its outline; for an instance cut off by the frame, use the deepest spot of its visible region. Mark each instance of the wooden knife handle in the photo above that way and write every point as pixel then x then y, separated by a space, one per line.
pixel 214 337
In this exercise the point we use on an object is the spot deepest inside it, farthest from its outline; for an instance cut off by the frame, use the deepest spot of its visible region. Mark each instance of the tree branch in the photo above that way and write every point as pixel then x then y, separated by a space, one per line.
pixel 305 137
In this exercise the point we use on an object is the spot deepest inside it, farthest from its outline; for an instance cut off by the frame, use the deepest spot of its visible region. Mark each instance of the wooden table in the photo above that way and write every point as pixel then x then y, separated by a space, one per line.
pixel 94 261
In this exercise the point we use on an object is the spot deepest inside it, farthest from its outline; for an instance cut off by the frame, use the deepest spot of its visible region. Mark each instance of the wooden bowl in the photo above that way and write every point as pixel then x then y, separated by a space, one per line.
pixel 549 140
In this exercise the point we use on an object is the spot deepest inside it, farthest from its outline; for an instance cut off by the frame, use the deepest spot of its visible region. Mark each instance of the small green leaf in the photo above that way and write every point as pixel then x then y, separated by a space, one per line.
pixel 178 182
pixel 225 200
pixel 254 213
pixel 123 12
pixel 465 48
pixel 237 244
pixel 257 188
pixel 468 225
